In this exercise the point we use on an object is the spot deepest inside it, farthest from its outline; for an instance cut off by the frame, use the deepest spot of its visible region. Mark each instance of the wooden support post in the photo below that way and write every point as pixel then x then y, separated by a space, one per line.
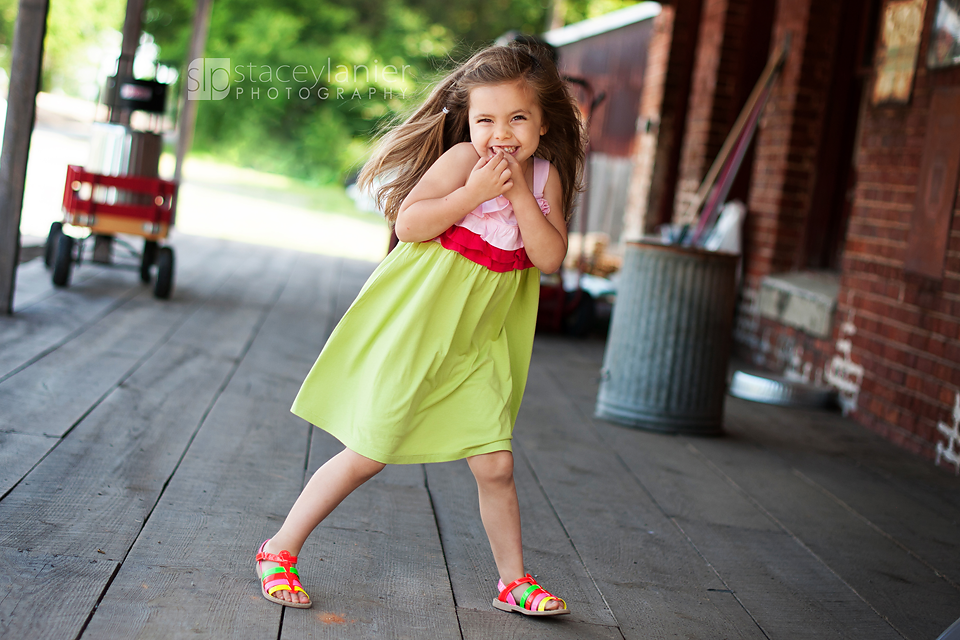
pixel 30 29
pixel 132 26
pixel 188 108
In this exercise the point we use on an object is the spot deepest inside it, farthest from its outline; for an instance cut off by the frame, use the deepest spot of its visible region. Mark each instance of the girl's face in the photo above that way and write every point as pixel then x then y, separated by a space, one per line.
pixel 505 117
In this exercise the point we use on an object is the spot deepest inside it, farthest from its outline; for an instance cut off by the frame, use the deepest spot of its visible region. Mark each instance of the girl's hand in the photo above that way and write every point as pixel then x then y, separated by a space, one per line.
pixel 518 183
pixel 490 177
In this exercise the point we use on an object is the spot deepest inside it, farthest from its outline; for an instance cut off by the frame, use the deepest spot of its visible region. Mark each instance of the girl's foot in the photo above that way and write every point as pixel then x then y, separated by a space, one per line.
pixel 527 597
pixel 551 605
pixel 279 579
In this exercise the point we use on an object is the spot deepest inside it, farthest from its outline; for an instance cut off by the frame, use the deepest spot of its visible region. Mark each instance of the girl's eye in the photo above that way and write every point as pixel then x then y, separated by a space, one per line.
pixel 520 117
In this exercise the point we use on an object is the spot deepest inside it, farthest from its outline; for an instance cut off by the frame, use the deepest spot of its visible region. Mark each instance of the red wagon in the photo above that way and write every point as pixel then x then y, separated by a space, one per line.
pixel 102 207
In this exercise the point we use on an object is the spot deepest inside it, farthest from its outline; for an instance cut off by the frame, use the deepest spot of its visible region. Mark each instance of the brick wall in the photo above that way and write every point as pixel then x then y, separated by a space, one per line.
pixel 645 145
pixel 731 48
pixel 908 326
pixel 783 176
pixel 784 170
pixel 895 333
pixel 666 91
pixel 904 329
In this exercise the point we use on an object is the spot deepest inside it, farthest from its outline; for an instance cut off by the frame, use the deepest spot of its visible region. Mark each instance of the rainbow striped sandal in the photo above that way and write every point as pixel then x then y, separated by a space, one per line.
pixel 272 581
pixel 533 602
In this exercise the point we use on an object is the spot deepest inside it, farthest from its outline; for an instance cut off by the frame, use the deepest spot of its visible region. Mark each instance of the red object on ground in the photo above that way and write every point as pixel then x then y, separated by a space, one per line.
pixel 83 206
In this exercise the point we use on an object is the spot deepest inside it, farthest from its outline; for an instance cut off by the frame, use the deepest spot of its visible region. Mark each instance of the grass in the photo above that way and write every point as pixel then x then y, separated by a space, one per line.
pixel 219 200
pixel 213 173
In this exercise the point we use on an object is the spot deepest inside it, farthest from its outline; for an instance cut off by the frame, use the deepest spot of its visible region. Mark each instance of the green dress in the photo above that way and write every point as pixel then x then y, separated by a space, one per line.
pixel 430 361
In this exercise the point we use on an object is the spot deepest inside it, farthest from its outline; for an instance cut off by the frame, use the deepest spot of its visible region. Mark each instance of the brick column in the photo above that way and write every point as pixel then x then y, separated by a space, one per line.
pixel 663 104
pixel 907 325
pixel 783 173
pixel 732 47
pixel 785 167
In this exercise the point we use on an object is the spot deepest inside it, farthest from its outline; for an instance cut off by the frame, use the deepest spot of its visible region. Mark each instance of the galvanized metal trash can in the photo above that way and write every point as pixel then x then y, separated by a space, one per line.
pixel 665 364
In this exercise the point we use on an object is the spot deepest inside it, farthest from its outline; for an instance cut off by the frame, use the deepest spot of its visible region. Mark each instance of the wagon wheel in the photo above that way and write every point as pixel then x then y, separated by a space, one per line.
pixel 164 284
pixel 63 260
pixel 50 248
pixel 147 259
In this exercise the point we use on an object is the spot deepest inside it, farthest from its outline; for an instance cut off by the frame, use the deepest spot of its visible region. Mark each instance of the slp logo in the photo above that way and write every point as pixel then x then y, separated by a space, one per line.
pixel 208 79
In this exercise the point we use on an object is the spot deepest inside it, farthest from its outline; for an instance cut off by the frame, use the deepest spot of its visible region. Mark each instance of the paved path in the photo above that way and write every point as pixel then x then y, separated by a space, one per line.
pixel 146 449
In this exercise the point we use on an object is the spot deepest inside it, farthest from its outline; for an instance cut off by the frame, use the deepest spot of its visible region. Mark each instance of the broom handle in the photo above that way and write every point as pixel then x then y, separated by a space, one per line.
pixel 773 65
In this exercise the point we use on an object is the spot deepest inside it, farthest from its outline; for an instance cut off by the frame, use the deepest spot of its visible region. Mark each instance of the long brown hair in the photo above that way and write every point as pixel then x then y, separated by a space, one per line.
pixel 406 153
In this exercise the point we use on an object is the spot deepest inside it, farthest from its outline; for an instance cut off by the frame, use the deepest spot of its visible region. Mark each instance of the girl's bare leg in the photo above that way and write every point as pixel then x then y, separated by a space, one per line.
pixel 332 482
pixel 500 512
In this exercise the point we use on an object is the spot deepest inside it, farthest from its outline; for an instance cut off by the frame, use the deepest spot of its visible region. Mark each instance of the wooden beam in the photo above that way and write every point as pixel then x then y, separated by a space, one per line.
pixel 932 215
pixel 132 27
pixel 30 29
pixel 187 119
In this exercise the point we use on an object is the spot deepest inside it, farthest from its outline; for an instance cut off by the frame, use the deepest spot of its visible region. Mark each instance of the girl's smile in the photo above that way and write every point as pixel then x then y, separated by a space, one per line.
pixel 505 117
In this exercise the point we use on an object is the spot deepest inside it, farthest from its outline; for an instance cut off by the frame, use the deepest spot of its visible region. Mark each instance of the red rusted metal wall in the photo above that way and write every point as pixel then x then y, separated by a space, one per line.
pixel 613 62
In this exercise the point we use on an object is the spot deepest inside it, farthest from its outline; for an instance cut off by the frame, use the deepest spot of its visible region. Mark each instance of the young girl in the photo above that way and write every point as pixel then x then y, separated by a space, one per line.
pixel 430 361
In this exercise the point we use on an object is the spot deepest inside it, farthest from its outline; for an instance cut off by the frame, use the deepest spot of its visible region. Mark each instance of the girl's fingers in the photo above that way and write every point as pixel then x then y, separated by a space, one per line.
pixel 488 160
pixel 511 161
pixel 491 162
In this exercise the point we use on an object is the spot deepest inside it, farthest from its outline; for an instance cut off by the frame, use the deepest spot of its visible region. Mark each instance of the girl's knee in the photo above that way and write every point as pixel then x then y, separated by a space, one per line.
pixel 362 466
pixel 495 467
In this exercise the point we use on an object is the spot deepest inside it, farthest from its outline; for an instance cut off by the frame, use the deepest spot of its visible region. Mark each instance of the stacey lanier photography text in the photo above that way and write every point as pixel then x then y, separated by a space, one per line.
pixel 216 79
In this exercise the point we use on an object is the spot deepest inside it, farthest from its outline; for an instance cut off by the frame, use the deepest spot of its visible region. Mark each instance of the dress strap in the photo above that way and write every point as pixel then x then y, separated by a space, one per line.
pixel 541 169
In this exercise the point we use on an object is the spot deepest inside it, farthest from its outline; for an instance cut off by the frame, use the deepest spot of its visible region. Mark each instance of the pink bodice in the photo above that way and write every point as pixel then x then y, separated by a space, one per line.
pixel 489 235
pixel 494 220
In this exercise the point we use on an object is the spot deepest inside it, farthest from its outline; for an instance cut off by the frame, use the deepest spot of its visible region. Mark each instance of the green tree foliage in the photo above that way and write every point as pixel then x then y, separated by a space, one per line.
pixel 319 124
pixel 362 63
pixel 8 15
pixel 476 23
pixel 77 32
pixel 577 10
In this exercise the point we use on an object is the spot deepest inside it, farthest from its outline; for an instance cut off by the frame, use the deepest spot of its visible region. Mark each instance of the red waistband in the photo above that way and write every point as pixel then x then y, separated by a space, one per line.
pixel 472 247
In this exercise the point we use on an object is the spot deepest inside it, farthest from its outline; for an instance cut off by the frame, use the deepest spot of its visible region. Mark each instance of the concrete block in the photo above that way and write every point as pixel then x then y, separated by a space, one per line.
pixel 804 300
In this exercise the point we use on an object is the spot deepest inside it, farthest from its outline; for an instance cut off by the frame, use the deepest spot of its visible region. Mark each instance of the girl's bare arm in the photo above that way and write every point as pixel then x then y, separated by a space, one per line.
pixel 544 237
pixel 457 183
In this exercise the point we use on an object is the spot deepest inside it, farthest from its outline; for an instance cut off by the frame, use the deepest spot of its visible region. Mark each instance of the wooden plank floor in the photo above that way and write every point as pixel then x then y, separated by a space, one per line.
pixel 146 449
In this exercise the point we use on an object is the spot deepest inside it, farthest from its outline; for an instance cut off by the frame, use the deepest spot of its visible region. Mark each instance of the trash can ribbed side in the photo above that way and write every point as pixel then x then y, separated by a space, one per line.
pixel 665 364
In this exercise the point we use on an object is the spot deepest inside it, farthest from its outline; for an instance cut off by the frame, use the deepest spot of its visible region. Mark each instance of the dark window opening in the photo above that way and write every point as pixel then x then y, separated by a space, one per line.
pixel 832 199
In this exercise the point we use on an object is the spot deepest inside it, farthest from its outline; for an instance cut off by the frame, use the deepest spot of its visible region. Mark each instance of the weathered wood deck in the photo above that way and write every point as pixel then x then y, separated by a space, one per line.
pixel 146 449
